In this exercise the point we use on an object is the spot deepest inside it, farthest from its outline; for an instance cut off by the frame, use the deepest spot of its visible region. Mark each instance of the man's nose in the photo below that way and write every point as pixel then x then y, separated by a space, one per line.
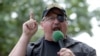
pixel 56 21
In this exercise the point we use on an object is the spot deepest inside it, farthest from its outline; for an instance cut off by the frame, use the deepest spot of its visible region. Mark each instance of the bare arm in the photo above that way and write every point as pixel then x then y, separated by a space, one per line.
pixel 29 28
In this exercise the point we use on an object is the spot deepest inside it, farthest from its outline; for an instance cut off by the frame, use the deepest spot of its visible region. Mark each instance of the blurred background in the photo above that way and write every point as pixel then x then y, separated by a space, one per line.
pixel 83 20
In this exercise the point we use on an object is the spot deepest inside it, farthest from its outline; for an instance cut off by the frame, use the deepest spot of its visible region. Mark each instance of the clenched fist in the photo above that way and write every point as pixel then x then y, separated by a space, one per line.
pixel 30 27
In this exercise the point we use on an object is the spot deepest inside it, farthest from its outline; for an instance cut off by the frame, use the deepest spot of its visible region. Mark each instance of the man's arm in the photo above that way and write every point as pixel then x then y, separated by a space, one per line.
pixel 29 28
pixel 20 48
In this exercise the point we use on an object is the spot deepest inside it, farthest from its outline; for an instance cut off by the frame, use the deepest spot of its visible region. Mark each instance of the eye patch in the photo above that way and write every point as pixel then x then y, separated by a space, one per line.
pixel 60 17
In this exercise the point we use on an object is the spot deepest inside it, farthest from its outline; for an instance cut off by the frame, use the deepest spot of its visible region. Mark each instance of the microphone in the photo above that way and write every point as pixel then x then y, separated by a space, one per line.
pixel 58 36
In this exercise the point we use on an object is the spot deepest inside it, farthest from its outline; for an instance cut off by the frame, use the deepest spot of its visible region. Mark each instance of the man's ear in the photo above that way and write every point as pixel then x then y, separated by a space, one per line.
pixel 41 23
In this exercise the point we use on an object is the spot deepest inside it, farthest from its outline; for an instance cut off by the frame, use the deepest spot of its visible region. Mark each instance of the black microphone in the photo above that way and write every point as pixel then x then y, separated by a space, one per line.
pixel 58 36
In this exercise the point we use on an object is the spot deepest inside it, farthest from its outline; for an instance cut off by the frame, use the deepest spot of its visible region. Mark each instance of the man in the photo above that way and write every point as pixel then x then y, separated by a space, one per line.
pixel 54 19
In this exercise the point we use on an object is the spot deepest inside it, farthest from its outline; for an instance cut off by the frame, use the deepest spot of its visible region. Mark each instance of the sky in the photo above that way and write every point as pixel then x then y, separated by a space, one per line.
pixel 95 39
pixel 93 4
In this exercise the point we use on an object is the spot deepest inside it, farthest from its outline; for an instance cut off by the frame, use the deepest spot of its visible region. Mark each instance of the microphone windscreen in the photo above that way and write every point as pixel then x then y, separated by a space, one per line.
pixel 57 35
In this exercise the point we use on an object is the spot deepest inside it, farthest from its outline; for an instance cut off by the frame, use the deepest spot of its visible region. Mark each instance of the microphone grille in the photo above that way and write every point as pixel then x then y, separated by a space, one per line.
pixel 57 35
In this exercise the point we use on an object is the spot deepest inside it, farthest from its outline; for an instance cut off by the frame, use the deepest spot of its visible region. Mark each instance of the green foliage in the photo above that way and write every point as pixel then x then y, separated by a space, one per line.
pixel 96 13
pixel 81 22
pixel 11 28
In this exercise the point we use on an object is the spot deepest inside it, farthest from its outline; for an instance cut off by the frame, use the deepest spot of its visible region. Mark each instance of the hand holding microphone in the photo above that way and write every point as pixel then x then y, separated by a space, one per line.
pixel 65 52
pixel 58 37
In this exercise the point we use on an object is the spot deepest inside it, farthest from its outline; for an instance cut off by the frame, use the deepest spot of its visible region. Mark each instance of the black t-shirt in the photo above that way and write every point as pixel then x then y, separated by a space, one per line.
pixel 51 48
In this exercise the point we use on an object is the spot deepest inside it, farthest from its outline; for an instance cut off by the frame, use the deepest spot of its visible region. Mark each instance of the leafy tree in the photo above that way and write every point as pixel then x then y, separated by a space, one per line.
pixel 10 28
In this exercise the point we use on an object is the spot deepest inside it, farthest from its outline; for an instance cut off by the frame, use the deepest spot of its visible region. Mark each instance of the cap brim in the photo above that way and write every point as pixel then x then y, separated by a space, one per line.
pixel 47 11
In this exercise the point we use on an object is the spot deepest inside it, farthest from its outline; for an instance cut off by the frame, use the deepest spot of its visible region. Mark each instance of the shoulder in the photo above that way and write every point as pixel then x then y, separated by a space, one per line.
pixel 38 42
pixel 79 45
pixel 85 47
pixel 33 45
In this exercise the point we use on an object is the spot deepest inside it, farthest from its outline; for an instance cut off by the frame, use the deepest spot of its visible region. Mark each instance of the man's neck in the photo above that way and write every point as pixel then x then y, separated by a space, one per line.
pixel 49 38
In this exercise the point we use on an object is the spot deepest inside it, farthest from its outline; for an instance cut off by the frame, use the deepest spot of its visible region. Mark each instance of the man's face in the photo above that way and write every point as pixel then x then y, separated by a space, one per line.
pixel 50 23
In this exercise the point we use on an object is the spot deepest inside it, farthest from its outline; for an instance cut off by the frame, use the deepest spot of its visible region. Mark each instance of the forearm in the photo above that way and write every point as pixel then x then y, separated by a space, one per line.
pixel 21 46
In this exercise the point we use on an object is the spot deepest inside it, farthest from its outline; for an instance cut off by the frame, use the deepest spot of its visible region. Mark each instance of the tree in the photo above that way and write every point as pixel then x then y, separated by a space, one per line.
pixel 10 28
